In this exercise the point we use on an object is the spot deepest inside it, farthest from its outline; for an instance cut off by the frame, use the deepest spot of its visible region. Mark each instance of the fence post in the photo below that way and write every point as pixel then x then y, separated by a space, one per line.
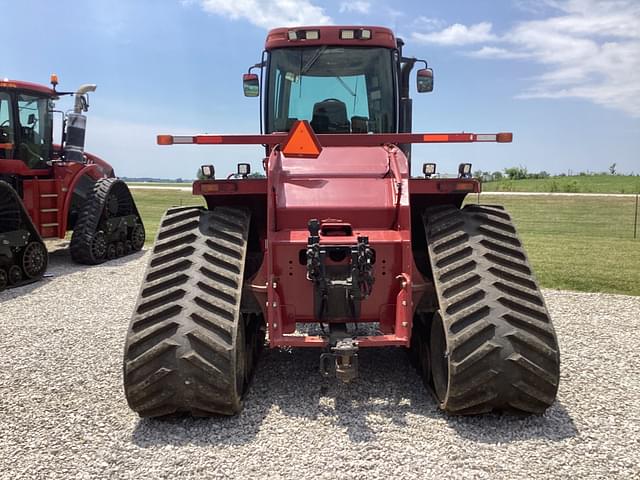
pixel 635 221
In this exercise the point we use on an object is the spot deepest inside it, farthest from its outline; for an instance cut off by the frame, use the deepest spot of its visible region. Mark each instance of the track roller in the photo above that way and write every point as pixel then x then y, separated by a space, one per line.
pixel 189 348
pixel 108 220
pixel 492 343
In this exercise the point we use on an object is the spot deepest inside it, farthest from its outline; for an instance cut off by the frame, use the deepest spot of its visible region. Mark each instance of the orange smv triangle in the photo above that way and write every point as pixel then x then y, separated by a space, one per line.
pixel 302 142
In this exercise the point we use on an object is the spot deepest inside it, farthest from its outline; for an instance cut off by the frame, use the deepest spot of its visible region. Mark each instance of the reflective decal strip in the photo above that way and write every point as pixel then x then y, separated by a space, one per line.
pixel 486 138
pixel 182 139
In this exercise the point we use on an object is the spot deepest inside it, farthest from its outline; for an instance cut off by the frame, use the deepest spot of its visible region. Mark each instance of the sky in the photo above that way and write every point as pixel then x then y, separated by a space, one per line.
pixel 562 75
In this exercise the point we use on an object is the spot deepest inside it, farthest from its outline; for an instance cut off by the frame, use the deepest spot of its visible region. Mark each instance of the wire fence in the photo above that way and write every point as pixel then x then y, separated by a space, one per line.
pixel 606 216
pixel 585 243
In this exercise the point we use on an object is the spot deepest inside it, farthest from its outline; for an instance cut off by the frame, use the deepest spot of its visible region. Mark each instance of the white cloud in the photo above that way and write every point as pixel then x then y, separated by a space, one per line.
pixel 269 13
pixel 457 34
pixel 497 53
pixel 590 49
pixel 357 7
pixel 428 23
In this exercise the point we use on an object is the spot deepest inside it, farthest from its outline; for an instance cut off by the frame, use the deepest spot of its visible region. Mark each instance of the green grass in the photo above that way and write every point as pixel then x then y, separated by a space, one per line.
pixel 160 184
pixel 574 243
pixel 573 184
pixel 153 203
pixel 578 243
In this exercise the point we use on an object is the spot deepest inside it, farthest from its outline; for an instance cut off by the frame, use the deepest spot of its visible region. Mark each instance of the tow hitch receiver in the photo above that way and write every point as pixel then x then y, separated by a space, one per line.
pixel 345 357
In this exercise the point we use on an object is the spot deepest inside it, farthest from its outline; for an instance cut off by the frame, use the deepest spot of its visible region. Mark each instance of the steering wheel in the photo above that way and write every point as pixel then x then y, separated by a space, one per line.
pixel 333 125
pixel 31 152
pixel 6 122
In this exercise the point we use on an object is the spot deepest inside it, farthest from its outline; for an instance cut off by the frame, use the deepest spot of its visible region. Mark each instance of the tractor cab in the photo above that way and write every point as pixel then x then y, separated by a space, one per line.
pixel 26 124
pixel 340 79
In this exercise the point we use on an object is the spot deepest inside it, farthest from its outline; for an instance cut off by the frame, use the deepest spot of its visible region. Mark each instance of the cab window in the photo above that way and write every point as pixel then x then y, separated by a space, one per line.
pixel 6 126
pixel 336 89
pixel 34 126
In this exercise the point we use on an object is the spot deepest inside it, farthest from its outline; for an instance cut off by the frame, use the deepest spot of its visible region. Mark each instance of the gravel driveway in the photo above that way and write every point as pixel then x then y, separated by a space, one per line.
pixel 63 412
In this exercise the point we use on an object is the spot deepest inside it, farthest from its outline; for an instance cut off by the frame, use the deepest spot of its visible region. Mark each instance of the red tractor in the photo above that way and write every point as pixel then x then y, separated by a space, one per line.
pixel 339 249
pixel 48 189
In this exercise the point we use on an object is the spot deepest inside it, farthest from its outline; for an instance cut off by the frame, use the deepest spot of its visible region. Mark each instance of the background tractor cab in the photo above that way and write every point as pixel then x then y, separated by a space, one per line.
pixel 48 189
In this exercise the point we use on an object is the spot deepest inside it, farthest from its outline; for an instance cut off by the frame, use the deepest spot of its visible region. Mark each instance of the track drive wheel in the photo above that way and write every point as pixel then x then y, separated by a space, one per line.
pixel 493 346
pixel 138 237
pixel 34 260
pixel 189 348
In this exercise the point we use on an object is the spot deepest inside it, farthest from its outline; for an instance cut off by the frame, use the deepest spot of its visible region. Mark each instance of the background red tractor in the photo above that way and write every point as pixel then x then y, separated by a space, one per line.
pixel 340 238
pixel 47 189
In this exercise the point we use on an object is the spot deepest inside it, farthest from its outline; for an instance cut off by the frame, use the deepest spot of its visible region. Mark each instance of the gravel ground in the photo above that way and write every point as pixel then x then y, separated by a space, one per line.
pixel 63 412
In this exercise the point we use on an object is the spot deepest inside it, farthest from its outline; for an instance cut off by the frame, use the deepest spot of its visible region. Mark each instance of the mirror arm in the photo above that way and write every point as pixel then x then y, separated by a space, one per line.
pixel 257 65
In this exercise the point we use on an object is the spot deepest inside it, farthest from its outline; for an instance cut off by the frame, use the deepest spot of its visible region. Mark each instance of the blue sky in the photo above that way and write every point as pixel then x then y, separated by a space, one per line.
pixel 563 75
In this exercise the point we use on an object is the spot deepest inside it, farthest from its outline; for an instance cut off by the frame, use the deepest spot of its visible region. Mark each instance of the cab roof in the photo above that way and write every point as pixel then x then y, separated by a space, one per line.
pixel 33 87
pixel 330 35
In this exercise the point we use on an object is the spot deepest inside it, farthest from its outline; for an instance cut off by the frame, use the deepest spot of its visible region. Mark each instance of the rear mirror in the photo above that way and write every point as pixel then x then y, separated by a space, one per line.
pixel 31 119
pixel 251 85
pixel 424 80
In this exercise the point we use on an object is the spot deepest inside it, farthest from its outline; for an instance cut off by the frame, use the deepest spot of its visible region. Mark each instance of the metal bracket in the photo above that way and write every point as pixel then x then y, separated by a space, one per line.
pixel 345 358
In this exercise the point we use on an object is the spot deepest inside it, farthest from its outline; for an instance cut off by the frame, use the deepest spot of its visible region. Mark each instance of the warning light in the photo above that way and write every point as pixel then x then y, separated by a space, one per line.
pixel 302 142
pixel 164 139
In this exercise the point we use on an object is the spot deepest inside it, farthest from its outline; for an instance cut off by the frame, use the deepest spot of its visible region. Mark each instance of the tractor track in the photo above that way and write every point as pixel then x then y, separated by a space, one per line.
pixel 179 350
pixel 64 414
pixel 26 264
pixel 90 243
pixel 500 346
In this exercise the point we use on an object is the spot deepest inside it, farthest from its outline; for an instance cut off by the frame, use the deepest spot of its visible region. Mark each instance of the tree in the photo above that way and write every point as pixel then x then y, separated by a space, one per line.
pixel 200 175
pixel 516 173
pixel 612 168
pixel 497 175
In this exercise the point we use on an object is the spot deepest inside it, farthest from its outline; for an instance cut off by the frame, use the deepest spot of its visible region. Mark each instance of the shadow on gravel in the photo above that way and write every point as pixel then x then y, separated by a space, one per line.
pixel 60 264
pixel 555 425
pixel 388 391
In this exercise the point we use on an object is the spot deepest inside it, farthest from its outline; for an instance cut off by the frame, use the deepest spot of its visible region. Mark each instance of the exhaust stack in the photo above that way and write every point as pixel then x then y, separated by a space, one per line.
pixel 77 124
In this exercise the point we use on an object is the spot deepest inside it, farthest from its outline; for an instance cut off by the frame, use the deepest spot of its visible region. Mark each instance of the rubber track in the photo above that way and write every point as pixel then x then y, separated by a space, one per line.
pixel 91 216
pixel 180 352
pixel 14 216
pixel 502 348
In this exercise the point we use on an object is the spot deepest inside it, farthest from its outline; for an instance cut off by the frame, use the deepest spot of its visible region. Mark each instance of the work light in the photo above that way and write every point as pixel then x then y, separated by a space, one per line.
pixel 428 169
pixel 244 169
pixel 464 170
pixel 208 171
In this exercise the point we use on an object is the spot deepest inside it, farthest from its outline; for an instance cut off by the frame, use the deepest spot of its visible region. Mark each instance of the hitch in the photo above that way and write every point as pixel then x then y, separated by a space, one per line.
pixel 345 357
pixel 342 275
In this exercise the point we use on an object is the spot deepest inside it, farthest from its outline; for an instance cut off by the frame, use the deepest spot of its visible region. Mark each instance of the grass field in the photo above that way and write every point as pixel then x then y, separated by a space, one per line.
pixel 578 243
pixel 574 243
pixel 573 184
pixel 160 184
pixel 153 203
